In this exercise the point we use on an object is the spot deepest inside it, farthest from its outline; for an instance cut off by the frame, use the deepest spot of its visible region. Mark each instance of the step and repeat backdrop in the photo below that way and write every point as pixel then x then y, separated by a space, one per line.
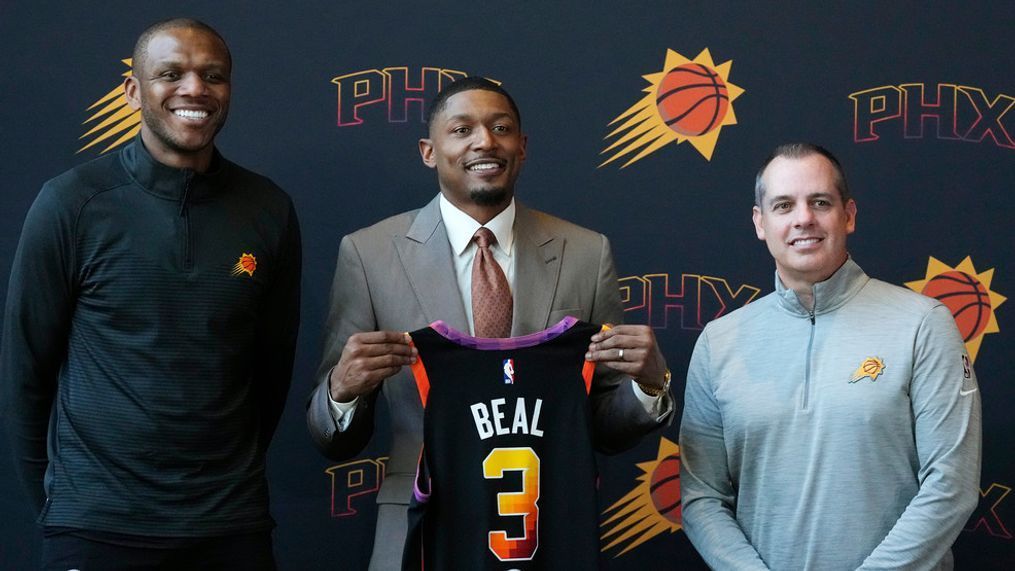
pixel 916 99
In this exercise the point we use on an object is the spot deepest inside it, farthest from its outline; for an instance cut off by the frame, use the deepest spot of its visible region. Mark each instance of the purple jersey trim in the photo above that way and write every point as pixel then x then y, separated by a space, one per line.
pixel 507 343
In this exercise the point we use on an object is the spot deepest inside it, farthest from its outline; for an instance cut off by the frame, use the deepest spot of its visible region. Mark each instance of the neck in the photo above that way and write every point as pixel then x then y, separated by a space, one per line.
pixel 481 213
pixel 199 161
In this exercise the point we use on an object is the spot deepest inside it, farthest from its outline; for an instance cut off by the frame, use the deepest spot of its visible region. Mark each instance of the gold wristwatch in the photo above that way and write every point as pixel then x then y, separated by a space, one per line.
pixel 653 391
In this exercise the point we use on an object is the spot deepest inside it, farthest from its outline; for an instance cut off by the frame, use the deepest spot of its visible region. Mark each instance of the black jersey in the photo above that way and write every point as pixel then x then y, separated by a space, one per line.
pixel 507 477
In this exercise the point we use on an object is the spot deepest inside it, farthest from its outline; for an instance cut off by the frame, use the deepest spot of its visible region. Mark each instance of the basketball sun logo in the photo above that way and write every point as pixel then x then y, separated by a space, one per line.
pixel 689 100
pixel 119 123
pixel 967 295
pixel 652 507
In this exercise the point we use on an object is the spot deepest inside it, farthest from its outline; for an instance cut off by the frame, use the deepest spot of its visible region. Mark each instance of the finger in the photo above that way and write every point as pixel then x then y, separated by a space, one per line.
pixel 360 350
pixel 372 337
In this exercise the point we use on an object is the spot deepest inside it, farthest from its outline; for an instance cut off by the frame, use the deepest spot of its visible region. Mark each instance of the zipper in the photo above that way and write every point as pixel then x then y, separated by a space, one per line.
pixel 188 262
pixel 807 367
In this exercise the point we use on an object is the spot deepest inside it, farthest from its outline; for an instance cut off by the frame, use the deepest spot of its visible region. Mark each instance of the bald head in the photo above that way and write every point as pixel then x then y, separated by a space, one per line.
pixel 141 47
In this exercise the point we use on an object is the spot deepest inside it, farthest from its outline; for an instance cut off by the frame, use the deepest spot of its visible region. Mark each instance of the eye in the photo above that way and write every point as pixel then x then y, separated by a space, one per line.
pixel 171 75
pixel 822 203
pixel 780 206
pixel 501 129
pixel 461 130
pixel 215 77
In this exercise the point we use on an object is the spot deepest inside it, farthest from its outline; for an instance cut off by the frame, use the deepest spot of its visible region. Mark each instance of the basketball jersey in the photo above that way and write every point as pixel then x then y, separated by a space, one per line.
pixel 507 476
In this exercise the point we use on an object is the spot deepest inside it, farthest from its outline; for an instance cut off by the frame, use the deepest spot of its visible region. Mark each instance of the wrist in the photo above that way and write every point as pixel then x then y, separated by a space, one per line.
pixel 655 391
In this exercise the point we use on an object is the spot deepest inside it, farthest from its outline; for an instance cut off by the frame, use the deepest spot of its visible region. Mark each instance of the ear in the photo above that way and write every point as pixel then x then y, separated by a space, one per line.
pixel 131 89
pixel 850 216
pixel 758 228
pixel 426 153
pixel 521 150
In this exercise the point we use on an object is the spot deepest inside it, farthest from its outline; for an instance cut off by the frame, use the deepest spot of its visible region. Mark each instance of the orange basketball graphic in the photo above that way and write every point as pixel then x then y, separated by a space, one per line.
pixel 246 265
pixel 665 488
pixel 692 99
pixel 967 299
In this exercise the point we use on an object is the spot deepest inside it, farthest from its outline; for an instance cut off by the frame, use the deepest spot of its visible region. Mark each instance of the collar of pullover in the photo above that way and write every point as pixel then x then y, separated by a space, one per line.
pixel 172 183
pixel 829 295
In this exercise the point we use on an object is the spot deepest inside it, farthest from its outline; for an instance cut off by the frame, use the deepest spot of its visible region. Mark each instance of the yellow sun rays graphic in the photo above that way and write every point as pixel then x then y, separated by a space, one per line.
pixel 652 507
pixel 969 298
pixel 643 130
pixel 116 118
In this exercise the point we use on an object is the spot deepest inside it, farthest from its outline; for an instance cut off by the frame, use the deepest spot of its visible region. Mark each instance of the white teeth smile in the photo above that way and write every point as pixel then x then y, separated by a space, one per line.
pixel 805 241
pixel 483 166
pixel 190 113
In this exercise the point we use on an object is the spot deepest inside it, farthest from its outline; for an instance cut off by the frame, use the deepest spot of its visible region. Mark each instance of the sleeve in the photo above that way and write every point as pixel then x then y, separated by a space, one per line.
pixel 620 420
pixel 351 311
pixel 277 332
pixel 40 302
pixel 946 410
pixel 708 498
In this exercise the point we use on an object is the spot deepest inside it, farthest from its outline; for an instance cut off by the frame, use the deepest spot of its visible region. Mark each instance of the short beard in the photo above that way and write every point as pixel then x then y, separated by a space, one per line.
pixel 489 196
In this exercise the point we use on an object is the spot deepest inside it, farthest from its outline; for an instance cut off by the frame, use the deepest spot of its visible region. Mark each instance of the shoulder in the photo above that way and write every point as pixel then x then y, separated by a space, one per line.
pixel 257 187
pixel 894 302
pixel 69 192
pixel 532 219
pixel 757 313
pixel 396 225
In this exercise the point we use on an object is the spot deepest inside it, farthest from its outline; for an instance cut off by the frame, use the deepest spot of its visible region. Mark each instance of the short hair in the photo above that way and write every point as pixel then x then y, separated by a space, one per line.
pixel 799 151
pixel 467 84
pixel 141 46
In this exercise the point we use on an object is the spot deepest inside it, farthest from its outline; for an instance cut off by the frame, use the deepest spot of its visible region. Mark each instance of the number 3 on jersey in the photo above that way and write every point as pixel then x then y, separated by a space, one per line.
pixel 522 503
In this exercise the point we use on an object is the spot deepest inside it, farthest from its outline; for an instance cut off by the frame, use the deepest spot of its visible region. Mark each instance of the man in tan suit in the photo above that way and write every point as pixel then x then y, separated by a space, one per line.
pixel 414 268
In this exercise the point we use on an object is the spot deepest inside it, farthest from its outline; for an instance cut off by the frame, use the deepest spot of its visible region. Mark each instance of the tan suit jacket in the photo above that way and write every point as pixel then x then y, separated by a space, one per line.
pixel 399 275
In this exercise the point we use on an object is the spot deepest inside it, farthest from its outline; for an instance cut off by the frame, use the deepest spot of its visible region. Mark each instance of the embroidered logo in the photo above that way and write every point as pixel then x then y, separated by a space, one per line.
pixel 509 371
pixel 247 264
pixel 871 367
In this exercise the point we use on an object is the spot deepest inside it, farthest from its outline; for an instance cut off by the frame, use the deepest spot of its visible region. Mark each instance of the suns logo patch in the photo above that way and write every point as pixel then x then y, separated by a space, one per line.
pixel 247 264
pixel 871 367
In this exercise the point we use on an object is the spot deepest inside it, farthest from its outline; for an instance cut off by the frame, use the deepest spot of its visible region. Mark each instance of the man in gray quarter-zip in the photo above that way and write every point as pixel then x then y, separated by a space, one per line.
pixel 834 423
pixel 149 333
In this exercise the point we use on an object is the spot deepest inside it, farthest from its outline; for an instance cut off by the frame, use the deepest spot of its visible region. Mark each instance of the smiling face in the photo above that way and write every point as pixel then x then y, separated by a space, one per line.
pixel 182 89
pixel 477 147
pixel 803 220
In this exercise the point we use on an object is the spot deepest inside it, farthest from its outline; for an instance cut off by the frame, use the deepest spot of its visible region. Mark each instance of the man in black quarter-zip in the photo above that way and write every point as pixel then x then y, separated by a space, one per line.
pixel 149 333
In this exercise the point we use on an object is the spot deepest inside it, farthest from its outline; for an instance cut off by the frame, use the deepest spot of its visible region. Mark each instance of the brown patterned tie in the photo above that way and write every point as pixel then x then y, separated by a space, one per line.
pixel 491 294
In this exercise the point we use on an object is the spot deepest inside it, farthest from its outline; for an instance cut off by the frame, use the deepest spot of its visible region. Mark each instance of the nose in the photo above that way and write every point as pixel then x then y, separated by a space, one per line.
pixel 804 216
pixel 193 84
pixel 483 139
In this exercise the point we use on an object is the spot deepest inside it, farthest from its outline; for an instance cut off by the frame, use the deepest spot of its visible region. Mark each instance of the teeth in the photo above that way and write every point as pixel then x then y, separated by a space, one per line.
pixel 483 166
pixel 190 113
pixel 805 241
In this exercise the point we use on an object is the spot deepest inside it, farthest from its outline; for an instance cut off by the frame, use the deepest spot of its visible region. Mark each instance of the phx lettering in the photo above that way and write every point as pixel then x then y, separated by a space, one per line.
pixel 405 94
pixel 961 113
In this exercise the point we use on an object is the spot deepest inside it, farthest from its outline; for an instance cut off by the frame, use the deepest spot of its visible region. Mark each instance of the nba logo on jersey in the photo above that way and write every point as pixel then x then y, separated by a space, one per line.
pixel 509 371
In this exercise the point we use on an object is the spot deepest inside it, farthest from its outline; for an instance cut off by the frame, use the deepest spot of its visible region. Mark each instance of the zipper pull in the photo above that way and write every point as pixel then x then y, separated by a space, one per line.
pixel 188 176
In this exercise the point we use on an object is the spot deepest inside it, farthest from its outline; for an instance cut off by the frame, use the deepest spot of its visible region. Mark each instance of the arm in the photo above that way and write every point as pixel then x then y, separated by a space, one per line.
pixel 40 303
pixel 275 346
pixel 619 418
pixel 946 413
pixel 356 360
pixel 708 496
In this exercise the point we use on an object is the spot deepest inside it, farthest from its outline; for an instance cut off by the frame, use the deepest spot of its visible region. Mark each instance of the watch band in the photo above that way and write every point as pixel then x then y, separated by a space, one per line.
pixel 656 391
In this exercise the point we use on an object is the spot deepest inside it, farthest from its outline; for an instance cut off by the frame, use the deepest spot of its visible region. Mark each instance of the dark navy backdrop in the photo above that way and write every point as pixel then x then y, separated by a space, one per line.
pixel 573 67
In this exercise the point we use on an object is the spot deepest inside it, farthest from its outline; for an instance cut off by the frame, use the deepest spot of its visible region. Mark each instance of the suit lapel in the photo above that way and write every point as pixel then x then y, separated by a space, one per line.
pixel 537 268
pixel 426 258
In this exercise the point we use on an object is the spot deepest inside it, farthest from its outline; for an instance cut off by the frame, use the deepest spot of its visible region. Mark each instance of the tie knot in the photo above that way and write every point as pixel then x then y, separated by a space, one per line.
pixel 484 237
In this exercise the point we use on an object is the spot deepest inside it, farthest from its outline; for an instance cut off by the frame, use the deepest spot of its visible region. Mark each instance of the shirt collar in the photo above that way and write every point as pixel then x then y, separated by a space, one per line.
pixel 829 295
pixel 461 227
